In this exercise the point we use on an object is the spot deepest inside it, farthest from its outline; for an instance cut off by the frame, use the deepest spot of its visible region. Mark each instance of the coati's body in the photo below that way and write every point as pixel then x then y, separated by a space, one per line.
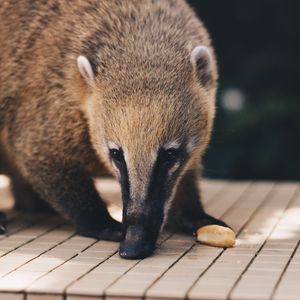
pixel 141 92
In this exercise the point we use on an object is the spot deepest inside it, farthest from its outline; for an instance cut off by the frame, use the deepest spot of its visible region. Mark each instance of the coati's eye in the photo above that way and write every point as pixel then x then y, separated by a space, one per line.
pixel 169 155
pixel 116 155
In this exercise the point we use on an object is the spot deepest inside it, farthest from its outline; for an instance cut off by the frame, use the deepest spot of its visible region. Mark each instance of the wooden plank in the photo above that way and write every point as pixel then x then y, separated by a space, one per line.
pixel 11 296
pixel 84 298
pixel 211 189
pixel 14 277
pixel 250 285
pixel 134 282
pixel 67 272
pixel 44 297
pixel 27 229
pixel 166 258
pixel 265 263
pixel 227 198
pixel 228 268
pixel 287 234
pixel 99 279
pixel 112 270
pixel 188 269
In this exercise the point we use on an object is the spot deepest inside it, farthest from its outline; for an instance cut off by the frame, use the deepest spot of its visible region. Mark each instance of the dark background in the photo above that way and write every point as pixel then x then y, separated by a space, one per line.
pixel 257 131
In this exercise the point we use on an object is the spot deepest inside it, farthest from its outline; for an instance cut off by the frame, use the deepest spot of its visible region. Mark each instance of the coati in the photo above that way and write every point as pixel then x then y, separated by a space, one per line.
pixel 124 86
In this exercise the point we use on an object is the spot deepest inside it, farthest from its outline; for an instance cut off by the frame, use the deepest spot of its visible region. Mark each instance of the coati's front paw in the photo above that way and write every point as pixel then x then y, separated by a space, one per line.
pixel 109 230
pixel 3 222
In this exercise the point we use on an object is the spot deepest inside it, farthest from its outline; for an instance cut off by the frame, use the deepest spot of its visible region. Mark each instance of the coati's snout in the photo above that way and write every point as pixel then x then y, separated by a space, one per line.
pixel 147 187
pixel 139 242
pixel 136 244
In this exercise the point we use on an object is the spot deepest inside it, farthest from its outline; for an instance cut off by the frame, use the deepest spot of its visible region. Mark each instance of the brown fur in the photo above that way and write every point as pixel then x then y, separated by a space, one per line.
pixel 147 92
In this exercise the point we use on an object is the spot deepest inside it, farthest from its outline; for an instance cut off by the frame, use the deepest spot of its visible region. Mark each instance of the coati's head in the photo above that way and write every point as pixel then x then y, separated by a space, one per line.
pixel 150 123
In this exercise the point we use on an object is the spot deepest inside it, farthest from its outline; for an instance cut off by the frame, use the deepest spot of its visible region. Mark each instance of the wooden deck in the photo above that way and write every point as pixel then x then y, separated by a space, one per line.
pixel 43 259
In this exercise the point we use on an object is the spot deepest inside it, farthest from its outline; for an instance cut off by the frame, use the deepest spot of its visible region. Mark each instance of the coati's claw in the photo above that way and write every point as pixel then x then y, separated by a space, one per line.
pixel 2 223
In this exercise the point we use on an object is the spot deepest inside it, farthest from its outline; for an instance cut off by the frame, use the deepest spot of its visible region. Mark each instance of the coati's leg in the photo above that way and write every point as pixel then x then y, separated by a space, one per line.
pixel 2 223
pixel 187 213
pixel 71 192
pixel 26 199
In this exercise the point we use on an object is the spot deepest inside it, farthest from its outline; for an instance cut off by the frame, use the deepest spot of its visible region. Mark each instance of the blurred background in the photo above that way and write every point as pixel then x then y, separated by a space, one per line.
pixel 257 130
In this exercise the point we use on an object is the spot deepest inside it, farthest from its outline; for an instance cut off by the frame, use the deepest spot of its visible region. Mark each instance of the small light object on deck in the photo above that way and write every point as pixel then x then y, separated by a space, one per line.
pixel 233 99
pixel 217 236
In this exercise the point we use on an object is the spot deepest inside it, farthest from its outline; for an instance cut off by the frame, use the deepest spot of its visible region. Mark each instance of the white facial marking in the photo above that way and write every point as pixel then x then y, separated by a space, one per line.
pixel 153 155
pixel 167 207
pixel 85 69
pixel 126 156
pixel 112 145
pixel 173 169
pixel 172 144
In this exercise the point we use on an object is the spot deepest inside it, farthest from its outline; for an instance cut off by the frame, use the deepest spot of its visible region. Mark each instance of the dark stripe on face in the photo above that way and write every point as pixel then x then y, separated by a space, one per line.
pixel 161 184
pixel 141 228
pixel 120 163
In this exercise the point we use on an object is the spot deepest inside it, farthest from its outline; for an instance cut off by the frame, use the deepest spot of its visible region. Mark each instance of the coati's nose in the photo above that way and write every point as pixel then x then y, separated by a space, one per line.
pixel 136 244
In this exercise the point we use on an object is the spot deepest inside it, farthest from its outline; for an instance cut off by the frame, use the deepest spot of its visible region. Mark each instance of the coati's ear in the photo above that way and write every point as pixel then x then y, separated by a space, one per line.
pixel 86 70
pixel 201 58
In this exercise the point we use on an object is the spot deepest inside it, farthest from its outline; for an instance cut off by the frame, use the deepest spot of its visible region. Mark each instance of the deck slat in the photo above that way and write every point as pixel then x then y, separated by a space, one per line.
pixel 87 283
pixel 121 287
pixel 43 259
pixel 260 278
pixel 287 287
pixel 231 201
pixel 189 268
pixel 262 205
